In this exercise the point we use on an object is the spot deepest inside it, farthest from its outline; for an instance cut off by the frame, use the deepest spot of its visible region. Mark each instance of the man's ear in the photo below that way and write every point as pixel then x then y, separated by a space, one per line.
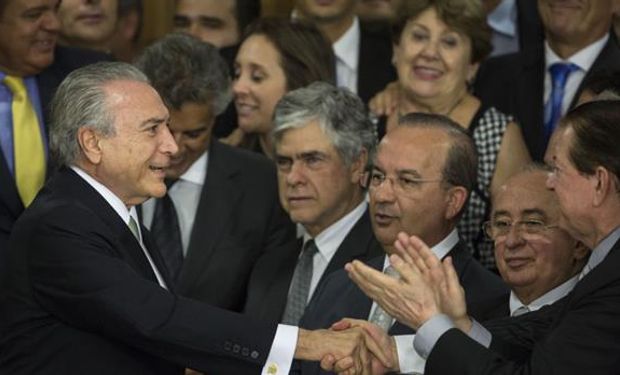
pixel 89 139
pixel 604 184
pixel 457 196
pixel 358 167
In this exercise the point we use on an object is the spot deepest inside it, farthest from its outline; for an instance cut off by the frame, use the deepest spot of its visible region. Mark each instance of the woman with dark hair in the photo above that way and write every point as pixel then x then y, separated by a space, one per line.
pixel 438 45
pixel 275 56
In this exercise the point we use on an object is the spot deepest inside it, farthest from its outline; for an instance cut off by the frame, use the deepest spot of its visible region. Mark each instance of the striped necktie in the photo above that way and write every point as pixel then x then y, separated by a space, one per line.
pixel 27 142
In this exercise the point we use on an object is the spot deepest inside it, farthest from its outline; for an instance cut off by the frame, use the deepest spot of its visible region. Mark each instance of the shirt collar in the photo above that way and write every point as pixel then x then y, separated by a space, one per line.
pixel 328 241
pixel 603 248
pixel 584 58
pixel 112 199
pixel 197 172
pixel 503 18
pixel 347 47
pixel 546 299
pixel 440 250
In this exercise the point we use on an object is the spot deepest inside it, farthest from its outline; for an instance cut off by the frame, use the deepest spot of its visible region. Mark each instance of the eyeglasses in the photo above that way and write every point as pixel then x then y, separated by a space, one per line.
pixel 500 228
pixel 400 184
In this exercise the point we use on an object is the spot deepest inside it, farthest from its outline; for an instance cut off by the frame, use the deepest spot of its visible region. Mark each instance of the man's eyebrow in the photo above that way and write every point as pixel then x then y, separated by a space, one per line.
pixel 153 121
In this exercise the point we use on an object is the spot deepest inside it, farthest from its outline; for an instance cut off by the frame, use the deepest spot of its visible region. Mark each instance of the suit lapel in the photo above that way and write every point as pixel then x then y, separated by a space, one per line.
pixel 73 186
pixel 354 245
pixel 8 192
pixel 217 200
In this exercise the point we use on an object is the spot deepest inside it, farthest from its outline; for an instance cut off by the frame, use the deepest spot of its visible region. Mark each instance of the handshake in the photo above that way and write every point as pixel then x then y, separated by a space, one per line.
pixel 350 346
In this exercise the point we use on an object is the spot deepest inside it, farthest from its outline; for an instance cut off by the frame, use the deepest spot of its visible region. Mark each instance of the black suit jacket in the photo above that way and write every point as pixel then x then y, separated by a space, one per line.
pixel 375 69
pixel 11 206
pixel 339 297
pixel 576 335
pixel 238 220
pixel 514 84
pixel 271 277
pixel 81 298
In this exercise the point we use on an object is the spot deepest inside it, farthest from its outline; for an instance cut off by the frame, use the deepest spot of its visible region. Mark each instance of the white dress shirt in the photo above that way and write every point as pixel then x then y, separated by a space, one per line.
pixel 548 298
pixel 328 242
pixel 346 50
pixel 185 195
pixel 503 22
pixel 584 59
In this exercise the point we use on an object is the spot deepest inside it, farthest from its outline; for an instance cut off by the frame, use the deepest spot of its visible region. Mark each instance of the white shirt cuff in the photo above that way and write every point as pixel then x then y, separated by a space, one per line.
pixel 282 351
pixel 480 334
pixel 430 332
pixel 409 361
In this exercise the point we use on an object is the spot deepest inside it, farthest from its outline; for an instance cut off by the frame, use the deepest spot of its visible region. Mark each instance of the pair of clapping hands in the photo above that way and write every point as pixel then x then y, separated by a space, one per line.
pixel 426 288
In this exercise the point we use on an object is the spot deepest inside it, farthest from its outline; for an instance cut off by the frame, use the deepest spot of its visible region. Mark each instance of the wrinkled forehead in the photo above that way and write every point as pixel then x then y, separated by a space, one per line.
pixel 526 193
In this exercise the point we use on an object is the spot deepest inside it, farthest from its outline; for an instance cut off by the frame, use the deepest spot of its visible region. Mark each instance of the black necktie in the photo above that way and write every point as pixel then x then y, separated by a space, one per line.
pixel 167 234
pixel 300 285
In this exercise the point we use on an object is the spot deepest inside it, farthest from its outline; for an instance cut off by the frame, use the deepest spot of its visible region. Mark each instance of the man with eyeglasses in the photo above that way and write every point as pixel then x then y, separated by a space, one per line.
pixel 419 184
pixel 538 260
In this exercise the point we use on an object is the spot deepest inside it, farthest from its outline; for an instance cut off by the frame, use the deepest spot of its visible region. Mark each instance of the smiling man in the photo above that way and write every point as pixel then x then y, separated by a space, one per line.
pixel 323 140
pixel 538 260
pixel 87 23
pixel 222 213
pixel 88 291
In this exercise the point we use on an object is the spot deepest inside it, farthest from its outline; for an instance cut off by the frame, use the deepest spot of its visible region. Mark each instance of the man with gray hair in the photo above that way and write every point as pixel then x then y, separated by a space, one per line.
pixel 421 178
pixel 88 291
pixel 222 213
pixel 323 142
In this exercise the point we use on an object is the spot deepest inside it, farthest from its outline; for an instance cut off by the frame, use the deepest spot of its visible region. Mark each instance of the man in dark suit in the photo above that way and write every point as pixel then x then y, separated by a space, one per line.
pixel 323 141
pixel 538 260
pixel 576 335
pixel 225 198
pixel 88 291
pixel 363 52
pixel 577 36
pixel 28 51
pixel 422 176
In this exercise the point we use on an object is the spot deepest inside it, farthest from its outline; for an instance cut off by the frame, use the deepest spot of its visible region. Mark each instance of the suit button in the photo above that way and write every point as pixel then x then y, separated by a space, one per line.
pixel 236 348
pixel 227 346
pixel 245 352
pixel 254 354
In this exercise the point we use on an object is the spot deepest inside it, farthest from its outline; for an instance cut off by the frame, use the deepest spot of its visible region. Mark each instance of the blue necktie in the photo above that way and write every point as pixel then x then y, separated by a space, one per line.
pixel 553 109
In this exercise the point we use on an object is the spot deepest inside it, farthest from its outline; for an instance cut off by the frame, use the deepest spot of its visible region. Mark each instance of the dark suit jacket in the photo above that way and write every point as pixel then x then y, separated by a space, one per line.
pixel 339 297
pixel 65 61
pixel 238 220
pixel 576 335
pixel 81 298
pixel 375 69
pixel 514 84
pixel 529 26
pixel 271 277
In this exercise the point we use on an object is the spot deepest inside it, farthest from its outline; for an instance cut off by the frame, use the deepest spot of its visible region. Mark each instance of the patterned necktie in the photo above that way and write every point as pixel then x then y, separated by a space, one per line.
pixel 553 109
pixel 379 316
pixel 167 235
pixel 300 285
pixel 27 142
pixel 133 227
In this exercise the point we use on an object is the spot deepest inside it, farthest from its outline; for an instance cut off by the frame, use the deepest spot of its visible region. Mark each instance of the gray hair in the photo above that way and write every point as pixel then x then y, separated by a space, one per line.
pixel 340 114
pixel 81 101
pixel 461 165
pixel 183 69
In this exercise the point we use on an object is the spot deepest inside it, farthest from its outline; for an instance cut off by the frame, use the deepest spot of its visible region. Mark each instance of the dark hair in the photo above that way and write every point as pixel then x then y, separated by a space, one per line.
pixel 246 12
pixel 306 55
pixel 125 7
pixel 183 69
pixel 464 16
pixel 597 130
pixel 461 165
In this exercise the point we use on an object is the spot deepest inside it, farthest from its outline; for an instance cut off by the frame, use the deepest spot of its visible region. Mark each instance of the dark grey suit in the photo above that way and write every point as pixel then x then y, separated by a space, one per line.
pixel 271 278
pixel 238 220
pixel 514 84
pixel 339 297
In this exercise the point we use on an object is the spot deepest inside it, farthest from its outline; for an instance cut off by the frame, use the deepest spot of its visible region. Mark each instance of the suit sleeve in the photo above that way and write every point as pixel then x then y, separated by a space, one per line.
pixel 80 275
pixel 582 341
